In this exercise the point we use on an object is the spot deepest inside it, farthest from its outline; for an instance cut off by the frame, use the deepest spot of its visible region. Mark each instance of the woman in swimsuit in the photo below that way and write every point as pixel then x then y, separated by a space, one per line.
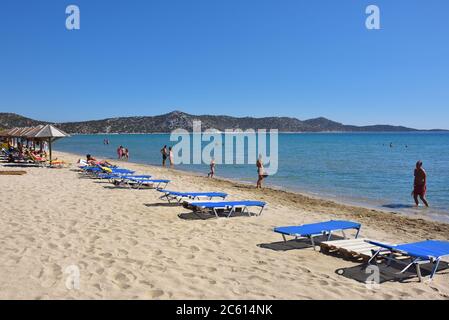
pixel 170 157
pixel 260 172
pixel 420 184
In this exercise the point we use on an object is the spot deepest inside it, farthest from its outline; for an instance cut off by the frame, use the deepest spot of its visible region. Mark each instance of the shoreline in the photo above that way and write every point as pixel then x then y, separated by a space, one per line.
pixel 349 202
pixel 354 211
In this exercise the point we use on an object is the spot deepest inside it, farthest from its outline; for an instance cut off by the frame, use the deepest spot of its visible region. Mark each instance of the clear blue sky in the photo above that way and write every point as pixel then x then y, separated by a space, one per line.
pixel 254 57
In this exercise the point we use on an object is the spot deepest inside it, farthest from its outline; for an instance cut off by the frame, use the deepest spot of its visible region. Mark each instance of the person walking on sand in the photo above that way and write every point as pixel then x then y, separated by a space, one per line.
pixel 260 172
pixel 212 169
pixel 164 155
pixel 420 184
pixel 170 157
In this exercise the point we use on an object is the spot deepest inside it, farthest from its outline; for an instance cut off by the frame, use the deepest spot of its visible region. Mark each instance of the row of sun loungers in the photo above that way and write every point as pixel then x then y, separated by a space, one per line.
pixel 123 177
pixel 215 203
pixel 190 200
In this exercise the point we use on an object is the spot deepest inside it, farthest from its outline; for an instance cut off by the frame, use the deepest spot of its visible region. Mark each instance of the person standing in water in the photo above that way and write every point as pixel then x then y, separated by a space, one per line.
pixel 260 172
pixel 164 155
pixel 170 157
pixel 420 184
pixel 119 152
pixel 212 169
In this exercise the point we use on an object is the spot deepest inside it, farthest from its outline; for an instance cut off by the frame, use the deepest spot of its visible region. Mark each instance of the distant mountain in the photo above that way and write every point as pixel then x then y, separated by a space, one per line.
pixel 180 120
pixel 11 120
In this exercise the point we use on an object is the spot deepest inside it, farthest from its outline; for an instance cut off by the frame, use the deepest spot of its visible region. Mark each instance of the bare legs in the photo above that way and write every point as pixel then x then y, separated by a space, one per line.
pixel 423 199
pixel 259 182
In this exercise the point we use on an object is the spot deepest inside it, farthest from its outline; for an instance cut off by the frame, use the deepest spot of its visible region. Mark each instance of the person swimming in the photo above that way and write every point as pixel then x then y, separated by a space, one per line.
pixel 420 184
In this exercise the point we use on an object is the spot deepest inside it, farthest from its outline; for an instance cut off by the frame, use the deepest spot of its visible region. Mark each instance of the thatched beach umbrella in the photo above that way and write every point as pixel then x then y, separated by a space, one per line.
pixel 50 133
pixel 5 133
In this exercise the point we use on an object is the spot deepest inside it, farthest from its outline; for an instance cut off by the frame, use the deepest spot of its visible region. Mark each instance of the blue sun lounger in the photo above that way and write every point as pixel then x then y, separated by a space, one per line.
pixel 313 230
pixel 423 252
pixel 179 196
pixel 231 206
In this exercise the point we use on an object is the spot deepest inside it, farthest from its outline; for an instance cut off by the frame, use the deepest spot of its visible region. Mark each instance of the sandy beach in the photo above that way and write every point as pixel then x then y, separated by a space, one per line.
pixel 129 244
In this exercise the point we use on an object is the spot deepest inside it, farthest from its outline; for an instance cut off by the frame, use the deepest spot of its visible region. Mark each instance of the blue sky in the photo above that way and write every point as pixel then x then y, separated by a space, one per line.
pixel 255 57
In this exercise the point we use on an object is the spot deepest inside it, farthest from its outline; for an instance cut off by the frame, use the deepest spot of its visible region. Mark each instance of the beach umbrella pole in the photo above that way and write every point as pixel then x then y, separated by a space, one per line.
pixel 49 148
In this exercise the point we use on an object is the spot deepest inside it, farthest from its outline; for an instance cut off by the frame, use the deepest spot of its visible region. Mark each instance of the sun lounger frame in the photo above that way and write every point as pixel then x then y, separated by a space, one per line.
pixel 231 208
pixel 180 197
pixel 139 183
pixel 390 252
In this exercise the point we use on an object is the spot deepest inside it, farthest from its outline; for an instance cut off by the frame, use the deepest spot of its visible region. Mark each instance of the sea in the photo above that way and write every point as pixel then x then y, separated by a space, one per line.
pixel 374 170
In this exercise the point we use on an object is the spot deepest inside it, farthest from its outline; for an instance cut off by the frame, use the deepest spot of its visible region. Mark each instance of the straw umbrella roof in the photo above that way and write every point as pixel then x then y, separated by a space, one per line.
pixel 38 132
pixel 49 131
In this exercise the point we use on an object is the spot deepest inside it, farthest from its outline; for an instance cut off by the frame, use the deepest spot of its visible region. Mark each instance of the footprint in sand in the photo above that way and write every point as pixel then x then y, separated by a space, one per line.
pixel 211 269
pixel 156 293
pixel 254 277
pixel 147 283
pixel 97 286
pixel 194 248
pixel 122 252
pixel 122 280
pixel 52 245
pixel 188 275
pixel 323 283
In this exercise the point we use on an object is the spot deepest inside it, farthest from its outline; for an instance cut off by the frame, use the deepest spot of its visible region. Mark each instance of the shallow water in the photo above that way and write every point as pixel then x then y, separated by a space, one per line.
pixel 360 168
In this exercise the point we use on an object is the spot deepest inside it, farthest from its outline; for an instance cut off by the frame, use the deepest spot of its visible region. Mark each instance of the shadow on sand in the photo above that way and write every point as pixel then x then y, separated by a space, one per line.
pixel 22 165
pixel 389 273
pixel 161 204
pixel 293 244
pixel 207 216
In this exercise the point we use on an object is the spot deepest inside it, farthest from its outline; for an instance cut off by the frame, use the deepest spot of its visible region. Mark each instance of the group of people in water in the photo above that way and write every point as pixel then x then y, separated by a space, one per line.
pixel 167 153
pixel 122 153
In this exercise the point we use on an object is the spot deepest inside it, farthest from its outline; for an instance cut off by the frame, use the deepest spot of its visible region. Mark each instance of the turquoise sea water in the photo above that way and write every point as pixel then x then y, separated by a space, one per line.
pixel 358 168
